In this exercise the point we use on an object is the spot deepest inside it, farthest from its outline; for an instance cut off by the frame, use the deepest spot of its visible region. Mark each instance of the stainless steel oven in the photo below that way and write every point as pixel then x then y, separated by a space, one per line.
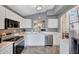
pixel 18 46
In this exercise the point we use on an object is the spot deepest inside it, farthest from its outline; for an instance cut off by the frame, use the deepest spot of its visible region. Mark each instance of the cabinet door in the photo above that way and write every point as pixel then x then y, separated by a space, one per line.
pixel 2 17
pixel 21 22
pixel 64 46
pixel 7 50
pixel 34 39
pixel 20 19
pixel 52 23
pixel 9 14
pixel 13 16
pixel 16 17
pixel 26 23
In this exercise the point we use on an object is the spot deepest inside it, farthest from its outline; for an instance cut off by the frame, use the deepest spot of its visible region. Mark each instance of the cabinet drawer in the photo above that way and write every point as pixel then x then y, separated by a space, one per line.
pixel 7 50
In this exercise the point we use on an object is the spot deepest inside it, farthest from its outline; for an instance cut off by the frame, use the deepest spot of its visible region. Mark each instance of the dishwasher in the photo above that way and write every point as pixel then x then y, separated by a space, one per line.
pixel 49 40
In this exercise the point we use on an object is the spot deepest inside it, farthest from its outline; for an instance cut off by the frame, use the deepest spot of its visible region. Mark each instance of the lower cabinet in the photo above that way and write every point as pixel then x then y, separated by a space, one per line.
pixel 64 46
pixel 34 39
pixel 7 50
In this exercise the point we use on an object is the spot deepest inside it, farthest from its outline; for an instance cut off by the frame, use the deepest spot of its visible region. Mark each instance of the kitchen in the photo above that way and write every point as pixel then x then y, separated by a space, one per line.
pixel 40 29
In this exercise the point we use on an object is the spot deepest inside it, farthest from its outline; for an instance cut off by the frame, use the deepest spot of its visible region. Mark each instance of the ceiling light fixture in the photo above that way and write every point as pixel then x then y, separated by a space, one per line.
pixel 39 7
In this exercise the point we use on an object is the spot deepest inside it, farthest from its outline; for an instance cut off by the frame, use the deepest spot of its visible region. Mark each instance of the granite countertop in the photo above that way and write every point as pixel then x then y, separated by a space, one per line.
pixel 4 45
pixel 76 37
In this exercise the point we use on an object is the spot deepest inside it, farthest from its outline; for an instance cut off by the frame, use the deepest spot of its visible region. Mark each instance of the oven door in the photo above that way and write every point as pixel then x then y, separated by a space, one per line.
pixel 18 47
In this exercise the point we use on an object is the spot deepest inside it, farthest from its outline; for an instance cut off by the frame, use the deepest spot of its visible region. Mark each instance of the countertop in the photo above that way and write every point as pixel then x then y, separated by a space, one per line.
pixel 4 45
pixel 76 37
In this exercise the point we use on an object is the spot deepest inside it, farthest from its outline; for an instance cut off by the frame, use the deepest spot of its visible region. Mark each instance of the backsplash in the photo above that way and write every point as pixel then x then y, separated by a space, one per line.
pixel 6 34
pixel 8 31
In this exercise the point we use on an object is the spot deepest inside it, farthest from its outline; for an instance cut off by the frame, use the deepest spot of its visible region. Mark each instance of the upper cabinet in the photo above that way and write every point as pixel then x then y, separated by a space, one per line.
pixel 26 23
pixel 11 23
pixel 9 14
pixel 52 23
pixel 6 13
pixel 2 17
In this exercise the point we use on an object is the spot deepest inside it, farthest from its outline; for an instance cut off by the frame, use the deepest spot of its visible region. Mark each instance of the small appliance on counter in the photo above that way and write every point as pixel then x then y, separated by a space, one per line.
pixel 0 40
pixel 43 29
pixel 65 35
pixel 9 23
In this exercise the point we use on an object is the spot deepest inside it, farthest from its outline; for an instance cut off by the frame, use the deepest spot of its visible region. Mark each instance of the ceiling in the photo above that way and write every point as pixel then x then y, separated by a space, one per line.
pixel 25 10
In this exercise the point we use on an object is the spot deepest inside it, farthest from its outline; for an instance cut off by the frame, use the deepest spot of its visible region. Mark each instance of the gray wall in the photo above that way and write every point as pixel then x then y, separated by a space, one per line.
pixel 43 16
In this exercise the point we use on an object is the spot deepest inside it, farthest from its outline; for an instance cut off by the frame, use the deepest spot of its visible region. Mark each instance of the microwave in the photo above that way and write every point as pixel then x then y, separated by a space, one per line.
pixel 43 29
pixel 11 23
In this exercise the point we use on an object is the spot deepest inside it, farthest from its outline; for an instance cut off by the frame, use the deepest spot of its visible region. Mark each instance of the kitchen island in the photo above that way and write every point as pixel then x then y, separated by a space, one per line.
pixel 39 38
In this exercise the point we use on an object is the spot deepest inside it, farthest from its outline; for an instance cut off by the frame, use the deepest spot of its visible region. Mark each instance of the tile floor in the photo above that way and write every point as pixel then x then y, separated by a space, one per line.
pixel 41 50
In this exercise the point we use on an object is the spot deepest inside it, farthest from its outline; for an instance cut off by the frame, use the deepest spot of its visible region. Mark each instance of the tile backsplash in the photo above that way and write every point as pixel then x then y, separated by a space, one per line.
pixel 11 31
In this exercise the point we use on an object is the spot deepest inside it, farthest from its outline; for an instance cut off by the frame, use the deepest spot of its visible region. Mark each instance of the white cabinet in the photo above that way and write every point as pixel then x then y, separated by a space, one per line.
pixel 26 23
pixel 52 23
pixel 21 22
pixel 13 16
pixel 35 39
pixel 64 46
pixel 17 17
pixel 56 39
pixel 7 50
pixel 2 17
pixel 6 13
pixel 20 19
pixel 9 14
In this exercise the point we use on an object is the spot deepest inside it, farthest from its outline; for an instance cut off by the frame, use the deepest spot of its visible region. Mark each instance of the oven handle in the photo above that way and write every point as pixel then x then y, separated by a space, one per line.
pixel 19 41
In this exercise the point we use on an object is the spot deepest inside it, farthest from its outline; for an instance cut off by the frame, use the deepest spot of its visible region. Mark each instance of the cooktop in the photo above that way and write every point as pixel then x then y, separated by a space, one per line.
pixel 14 38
